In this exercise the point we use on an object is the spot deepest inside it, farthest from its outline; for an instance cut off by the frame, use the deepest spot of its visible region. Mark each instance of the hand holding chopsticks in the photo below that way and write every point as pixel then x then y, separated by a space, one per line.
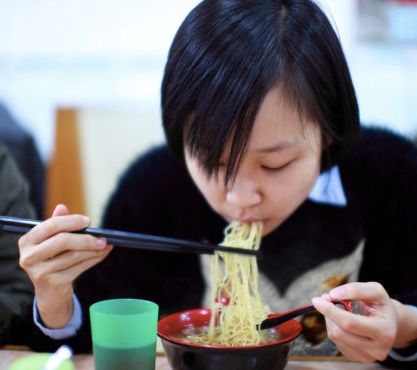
pixel 53 256
pixel 55 252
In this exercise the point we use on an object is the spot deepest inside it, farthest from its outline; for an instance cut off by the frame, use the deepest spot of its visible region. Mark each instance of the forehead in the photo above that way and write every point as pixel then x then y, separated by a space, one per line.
pixel 279 121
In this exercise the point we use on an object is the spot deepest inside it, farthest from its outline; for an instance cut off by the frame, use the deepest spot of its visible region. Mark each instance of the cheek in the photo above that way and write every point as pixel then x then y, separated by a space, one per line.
pixel 211 189
pixel 213 193
pixel 280 198
pixel 289 190
pixel 305 173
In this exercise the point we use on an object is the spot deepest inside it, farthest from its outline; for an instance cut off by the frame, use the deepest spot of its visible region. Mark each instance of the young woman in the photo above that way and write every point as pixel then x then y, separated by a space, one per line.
pixel 262 124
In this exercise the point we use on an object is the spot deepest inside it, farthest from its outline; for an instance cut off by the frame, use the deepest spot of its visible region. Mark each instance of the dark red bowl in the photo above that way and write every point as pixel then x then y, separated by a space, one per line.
pixel 183 355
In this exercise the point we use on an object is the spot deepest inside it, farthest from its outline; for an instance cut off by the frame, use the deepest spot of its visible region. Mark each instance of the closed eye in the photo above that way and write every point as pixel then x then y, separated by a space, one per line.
pixel 275 169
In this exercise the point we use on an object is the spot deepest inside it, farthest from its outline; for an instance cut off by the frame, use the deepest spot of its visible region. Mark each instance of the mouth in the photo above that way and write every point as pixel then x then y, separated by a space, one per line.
pixel 247 220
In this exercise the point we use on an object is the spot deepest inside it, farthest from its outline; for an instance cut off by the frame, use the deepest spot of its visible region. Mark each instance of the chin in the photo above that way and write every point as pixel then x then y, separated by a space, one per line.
pixel 269 226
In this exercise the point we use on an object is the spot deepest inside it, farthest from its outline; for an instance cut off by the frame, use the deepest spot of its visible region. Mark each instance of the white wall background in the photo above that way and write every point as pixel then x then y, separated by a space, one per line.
pixel 111 53
pixel 384 72
pixel 102 53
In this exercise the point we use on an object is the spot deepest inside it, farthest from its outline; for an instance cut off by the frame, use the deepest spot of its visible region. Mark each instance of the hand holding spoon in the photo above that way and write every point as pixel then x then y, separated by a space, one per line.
pixel 275 319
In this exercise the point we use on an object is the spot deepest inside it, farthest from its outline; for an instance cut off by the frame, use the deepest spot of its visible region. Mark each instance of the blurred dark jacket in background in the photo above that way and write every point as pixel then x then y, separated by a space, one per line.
pixel 22 147
pixel 16 290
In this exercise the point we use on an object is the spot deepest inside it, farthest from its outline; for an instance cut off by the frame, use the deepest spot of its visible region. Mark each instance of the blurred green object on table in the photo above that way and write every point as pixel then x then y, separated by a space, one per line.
pixel 37 362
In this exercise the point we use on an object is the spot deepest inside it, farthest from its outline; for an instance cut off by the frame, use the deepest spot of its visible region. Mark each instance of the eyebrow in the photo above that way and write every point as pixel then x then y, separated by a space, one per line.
pixel 284 145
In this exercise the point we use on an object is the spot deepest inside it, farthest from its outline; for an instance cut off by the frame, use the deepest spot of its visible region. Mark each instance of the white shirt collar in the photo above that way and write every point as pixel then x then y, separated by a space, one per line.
pixel 328 189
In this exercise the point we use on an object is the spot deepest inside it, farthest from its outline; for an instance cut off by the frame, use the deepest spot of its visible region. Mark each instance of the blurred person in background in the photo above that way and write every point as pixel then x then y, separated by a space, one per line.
pixel 16 290
pixel 22 147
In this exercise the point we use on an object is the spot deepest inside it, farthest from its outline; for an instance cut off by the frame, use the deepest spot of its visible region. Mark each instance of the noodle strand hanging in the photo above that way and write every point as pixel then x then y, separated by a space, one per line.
pixel 234 279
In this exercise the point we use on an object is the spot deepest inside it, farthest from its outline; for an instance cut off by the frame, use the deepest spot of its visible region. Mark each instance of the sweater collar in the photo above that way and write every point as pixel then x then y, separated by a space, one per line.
pixel 328 189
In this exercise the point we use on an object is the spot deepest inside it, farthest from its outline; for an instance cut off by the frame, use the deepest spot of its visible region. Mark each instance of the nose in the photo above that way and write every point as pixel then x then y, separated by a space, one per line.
pixel 244 193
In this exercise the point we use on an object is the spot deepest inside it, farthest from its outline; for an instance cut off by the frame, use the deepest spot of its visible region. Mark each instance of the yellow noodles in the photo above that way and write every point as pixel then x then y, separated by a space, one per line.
pixel 235 276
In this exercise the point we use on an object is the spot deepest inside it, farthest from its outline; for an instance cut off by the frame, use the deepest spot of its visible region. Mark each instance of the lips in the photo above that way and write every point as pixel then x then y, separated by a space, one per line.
pixel 246 219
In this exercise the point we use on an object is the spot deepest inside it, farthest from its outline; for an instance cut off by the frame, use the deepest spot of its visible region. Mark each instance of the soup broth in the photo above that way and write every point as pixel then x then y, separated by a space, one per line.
pixel 199 335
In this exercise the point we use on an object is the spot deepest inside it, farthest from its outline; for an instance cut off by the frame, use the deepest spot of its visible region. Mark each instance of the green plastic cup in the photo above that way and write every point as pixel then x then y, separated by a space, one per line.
pixel 36 362
pixel 124 334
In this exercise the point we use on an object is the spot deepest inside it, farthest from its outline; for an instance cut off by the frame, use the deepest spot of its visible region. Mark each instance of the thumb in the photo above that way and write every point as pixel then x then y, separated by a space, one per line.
pixel 60 210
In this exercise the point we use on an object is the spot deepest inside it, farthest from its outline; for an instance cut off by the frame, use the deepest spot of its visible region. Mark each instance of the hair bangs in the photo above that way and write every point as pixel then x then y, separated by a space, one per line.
pixel 223 120
pixel 228 88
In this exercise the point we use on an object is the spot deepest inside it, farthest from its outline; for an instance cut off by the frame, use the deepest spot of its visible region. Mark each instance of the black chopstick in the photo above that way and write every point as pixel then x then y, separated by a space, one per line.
pixel 128 239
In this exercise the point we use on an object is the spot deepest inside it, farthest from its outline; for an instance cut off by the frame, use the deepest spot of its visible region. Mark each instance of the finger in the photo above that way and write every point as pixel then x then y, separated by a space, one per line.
pixel 70 258
pixel 370 291
pixel 60 210
pixel 346 350
pixel 355 347
pixel 340 336
pixel 70 274
pixel 59 244
pixel 53 226
pixel 350 322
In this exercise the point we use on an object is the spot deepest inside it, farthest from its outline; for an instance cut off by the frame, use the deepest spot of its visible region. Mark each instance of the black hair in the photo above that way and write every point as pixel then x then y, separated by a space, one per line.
pixel 228 54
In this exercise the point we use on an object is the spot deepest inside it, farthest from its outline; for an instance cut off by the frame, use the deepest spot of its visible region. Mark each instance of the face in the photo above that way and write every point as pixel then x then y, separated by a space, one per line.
pixel 277 173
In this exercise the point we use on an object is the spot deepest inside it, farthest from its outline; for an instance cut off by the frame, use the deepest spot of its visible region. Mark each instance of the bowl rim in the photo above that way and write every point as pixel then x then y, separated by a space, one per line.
pixel 296 326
